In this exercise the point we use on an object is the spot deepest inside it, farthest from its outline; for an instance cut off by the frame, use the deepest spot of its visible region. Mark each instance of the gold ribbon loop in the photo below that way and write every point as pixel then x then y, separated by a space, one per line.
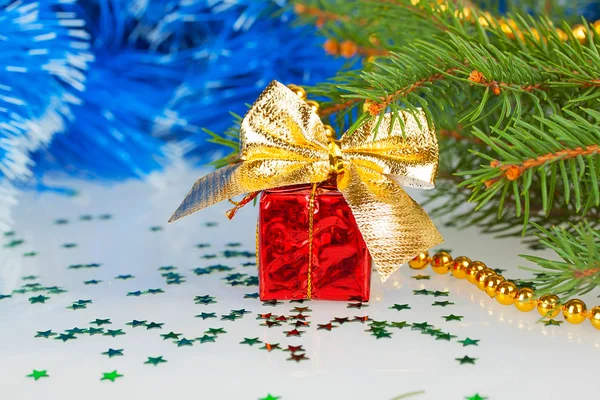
pixel 283 142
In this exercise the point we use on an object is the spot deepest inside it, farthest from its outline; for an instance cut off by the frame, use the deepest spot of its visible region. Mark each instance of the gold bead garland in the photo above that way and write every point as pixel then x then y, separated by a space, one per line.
pixel 505 292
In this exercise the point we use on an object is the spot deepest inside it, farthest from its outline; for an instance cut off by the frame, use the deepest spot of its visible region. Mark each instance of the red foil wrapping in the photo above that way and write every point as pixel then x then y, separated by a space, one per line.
pixel 341 264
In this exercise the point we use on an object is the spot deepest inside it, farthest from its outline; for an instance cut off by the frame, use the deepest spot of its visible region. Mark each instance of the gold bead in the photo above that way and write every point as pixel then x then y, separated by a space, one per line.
pixel 594 316
pixel 524 299
pixel 506 292
pixel 420 261
pixel 459 267
pixel 473 269
pixel 441 262
pixel 562 35
pixel 548 306
pixel 298 91
pixel 574 311
pixel 491 283
pixel 314 105
pixel 580 32
pixel 482 276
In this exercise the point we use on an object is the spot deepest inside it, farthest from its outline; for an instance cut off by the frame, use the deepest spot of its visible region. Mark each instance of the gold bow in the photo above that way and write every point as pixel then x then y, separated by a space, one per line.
pixel 283 142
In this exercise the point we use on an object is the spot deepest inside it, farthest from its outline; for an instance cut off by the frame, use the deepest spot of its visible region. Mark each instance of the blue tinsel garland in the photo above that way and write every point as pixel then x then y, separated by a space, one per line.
pixel 165 69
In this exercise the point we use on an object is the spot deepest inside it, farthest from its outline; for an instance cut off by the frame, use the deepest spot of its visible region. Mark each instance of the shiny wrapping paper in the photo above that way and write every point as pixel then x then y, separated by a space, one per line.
pixel 284 143
pixel 341 264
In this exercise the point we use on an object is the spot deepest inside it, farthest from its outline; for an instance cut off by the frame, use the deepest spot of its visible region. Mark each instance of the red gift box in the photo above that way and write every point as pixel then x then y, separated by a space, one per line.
pixel 341 264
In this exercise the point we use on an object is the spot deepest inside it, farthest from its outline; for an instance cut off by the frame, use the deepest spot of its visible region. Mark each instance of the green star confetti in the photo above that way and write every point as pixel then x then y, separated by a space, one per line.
pixel 422 292
pixel 114 333
pixel 272 303
pixel 251 341
pixel 215 331
pixel 241 311
pixel 466 360
pixel 111 376
pixel 14 243
pixel 154 291
pixel 230 317
pixel 76 306
pixel 76 331
pixel 476 396
pixel 124 277
pixel 30 254
pixel 432 332
pixel 184 342
pixel 135 323
pixel 85 217
pixel 206 315
pixel 357 305
pixel 442 303
pixel 269 397
pixel 61 221
pixel 155 360
pixel 100 322
pixel 137 293
pixel 453 317
pixel 64 337
pixel 167 268
pixel 69 245
pixel 92 282
pixel 399 325
pixel 205 300
pixel 206 338
pixel 379 324
pixel 38 374
pixel 171 335
pixel 438 293
pixel 105 217
pixel 400 307
pixel 156 228
pixel 421 277
pixel 271 346
pixel 251 296
pixel 552 322
pixel 421 326
pixel 45 334
pixel 469 342
pixel 5 296
pixel 38 299
pixel 30 277
pixel 95 331
pixel 154 325
pixel 112 353
pixel 381 333
pixel 445 336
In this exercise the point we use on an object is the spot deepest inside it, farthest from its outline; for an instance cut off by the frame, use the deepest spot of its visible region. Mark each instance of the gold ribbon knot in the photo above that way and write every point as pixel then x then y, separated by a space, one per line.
pixel 283 142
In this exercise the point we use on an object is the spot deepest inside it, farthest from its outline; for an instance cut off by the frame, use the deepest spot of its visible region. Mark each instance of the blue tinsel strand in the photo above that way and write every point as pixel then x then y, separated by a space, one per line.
pixel 165 69
pixel 44 53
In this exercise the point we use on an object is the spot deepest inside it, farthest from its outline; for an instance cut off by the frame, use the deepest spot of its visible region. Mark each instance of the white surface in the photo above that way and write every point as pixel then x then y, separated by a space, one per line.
pixel 517 357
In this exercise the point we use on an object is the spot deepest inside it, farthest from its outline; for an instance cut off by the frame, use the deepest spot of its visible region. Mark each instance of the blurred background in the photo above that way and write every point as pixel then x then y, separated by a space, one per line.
pixel 115 89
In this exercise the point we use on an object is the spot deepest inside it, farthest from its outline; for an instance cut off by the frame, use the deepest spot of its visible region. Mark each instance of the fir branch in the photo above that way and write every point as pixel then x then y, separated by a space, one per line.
pixel 578 272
